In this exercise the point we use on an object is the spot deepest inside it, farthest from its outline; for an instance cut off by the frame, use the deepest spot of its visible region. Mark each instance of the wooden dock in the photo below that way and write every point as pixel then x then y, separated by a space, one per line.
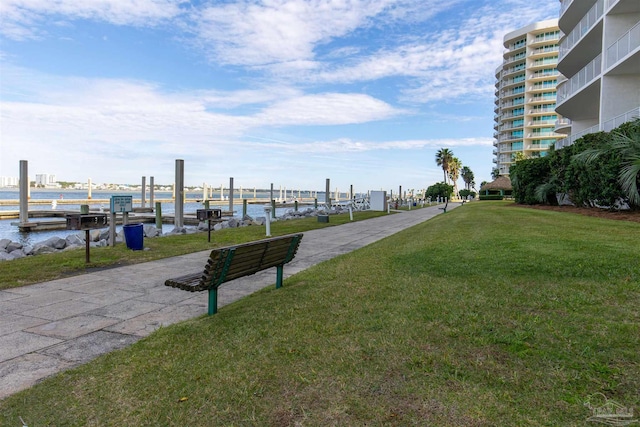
pixel 56 220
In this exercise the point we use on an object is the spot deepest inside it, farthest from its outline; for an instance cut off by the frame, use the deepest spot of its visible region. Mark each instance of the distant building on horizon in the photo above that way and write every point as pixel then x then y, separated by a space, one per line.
pixel 46 180
pixel 600 57
pixel 9 181
pixel 525 97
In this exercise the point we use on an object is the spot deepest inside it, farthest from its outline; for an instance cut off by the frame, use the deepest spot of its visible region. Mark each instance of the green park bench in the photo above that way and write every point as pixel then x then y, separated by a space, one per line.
pixel 232 262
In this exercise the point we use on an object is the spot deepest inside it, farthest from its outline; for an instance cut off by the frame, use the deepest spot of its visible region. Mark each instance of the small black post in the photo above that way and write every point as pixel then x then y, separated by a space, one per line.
pixel 86 240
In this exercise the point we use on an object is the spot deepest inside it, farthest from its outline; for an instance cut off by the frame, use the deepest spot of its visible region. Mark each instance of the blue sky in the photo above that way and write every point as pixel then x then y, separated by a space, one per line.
pixel 285 92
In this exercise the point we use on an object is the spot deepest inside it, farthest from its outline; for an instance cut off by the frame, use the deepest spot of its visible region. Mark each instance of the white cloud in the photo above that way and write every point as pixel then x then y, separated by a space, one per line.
pixel 280 32
pixel 259 33
pixel 21 19
pixel 120 115
pixel 456 63
pixel 326 109
pixel 347 145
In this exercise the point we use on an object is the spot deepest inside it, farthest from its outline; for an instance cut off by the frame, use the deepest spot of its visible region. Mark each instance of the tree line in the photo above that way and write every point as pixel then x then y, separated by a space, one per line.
pixel 452 170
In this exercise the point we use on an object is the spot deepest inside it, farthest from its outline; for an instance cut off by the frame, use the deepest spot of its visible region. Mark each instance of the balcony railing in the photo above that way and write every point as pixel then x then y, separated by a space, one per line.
pixel 544 38
pixel 538 74
pixel 541 134
pixel 543 98
pixel 542 122
pixel 543 50
pixel 607 126
pixel 564 6
pixel 542 110
pixel 566 89
pixel 623 46
pixel 613 123
pixel 583 27
pixel 515 59
pixel 562 123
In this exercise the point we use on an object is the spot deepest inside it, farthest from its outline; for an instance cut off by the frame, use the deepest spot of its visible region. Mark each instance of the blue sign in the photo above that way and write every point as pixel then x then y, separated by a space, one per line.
pixel 121 204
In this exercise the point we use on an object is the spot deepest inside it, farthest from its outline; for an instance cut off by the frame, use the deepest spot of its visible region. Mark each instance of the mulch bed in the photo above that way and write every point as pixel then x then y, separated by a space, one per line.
pixel 600 213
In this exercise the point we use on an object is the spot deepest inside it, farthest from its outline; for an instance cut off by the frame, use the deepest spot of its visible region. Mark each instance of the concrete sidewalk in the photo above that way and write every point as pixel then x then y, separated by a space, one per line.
pixel 52 326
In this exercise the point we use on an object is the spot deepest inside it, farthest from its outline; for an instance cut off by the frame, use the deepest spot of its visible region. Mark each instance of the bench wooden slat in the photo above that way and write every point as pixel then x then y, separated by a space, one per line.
pixel 187 283
pixel 232 262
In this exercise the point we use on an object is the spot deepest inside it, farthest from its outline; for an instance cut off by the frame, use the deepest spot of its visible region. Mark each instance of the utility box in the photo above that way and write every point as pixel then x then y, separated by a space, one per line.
pixel 323 218
pixel 378 201
pixel 206 214
pixel 86 221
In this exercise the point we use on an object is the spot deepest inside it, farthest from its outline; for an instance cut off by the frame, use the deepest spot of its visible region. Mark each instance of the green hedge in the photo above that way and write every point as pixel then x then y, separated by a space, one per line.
pixel 491 197
pixel 465 193
pixel 587 183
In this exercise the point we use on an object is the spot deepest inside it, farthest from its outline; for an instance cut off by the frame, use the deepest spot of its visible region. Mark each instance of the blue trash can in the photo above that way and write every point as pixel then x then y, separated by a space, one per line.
pixel 134 236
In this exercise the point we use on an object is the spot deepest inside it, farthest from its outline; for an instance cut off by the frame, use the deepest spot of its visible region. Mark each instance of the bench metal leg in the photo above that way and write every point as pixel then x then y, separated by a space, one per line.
pixel 213 301
pixel 279 273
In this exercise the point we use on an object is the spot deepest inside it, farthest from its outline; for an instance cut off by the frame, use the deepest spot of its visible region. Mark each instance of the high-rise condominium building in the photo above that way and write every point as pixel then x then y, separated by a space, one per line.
pixel 525 102
pixel 600 58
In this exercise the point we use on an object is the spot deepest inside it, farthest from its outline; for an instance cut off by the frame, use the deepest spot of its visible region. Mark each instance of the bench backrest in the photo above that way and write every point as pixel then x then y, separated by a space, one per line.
pixel 232 262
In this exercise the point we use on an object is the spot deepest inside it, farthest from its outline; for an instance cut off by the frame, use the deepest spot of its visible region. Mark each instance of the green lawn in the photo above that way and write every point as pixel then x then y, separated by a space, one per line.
pixel 489 315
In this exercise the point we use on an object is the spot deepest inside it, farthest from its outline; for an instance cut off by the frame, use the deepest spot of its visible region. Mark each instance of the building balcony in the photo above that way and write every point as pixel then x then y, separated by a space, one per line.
pixel 606 126
pixel 542 51
pixel 628 43
pixel 549 134
pixel 590 19
pixel 519 58
pixel 571 12
pixel 584 77
pixel 541 99
pixel 513 113
pixel 513 103
pixel 542 87
pixel 543 75
pixel 507 138
pixel 513 70
pixel 509 127
pixel 508 94
pixel 515 47
pixel 536 123
pixel 563 126
pixel 512 82
pixel 535 111
pixel 544 39
pixel 613 123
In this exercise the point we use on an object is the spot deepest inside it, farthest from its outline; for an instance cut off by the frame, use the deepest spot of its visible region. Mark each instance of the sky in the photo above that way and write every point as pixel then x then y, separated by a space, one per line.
pixel 289 92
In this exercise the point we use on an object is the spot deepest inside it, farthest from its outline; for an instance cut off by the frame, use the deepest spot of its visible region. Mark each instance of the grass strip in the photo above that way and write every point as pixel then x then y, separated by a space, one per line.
pixel 488 315
pixel 40 268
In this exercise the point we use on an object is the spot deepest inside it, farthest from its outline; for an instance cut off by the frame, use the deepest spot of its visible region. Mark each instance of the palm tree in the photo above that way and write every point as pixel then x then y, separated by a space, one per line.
pixel 454 172
pixel 467 177
pixel 444 156
pixel 627 146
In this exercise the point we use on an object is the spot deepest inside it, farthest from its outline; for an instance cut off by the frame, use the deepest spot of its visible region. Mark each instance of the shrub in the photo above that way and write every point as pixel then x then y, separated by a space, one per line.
pixel 526 176
pixel 439 190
